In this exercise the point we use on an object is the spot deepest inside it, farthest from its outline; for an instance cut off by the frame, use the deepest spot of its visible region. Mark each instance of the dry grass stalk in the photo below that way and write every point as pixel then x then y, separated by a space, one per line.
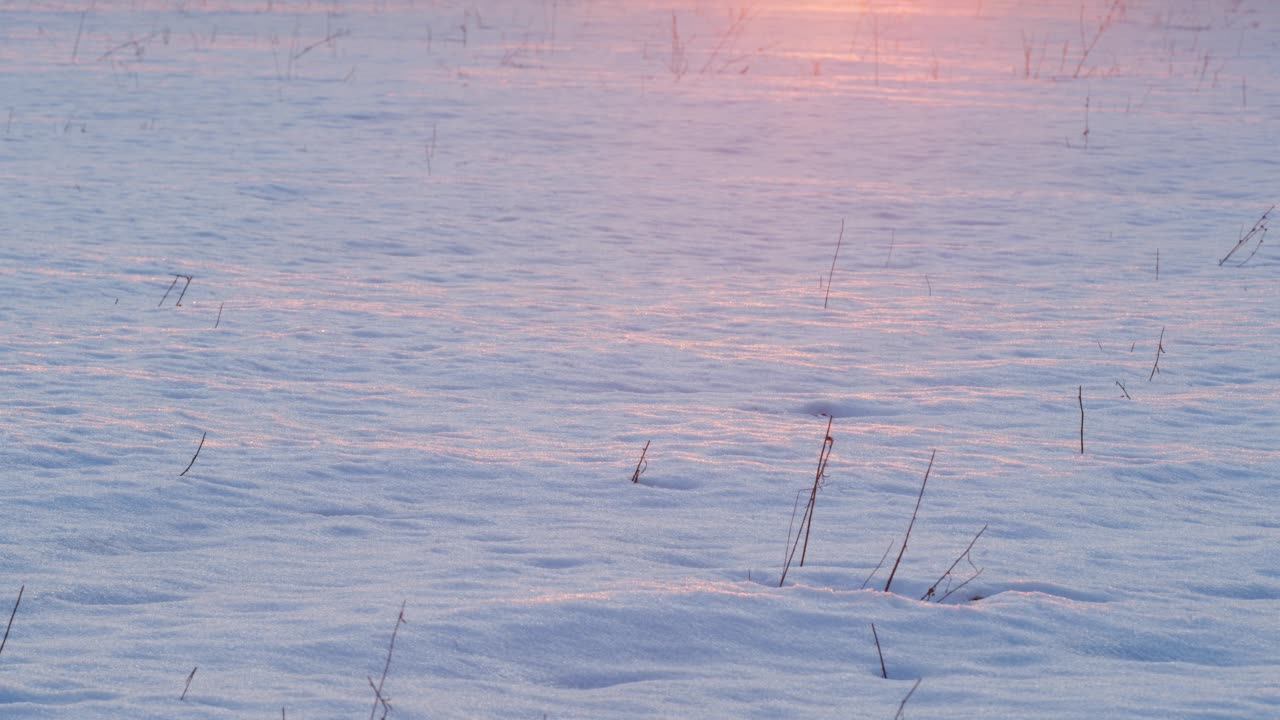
pixel 1155 368
pixel 903 705
pixel 378 697
pixel 839 240
pixel 1080 397
pixel 12 615
pixel 188 685
pixel 642 465
pixel 933 589
pixel 1259 230
pixel 806 520
pixel 910 525
pixel 883 672
pixel 193 457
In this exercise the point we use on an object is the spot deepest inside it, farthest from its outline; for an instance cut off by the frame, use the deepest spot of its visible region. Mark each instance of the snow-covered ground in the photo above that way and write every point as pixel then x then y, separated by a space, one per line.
pixel 453 264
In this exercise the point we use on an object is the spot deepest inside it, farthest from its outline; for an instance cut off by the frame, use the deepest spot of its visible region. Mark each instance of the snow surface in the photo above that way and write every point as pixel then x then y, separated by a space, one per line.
pixel 454 263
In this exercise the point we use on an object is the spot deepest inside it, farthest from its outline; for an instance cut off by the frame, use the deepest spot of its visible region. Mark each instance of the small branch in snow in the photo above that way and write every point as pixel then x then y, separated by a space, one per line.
pixel 139 46
pixel 1080 397
pixel 883 673
pixel 188 685
pixel 642 465
pixel 328 39
pixel 218 322
pixel 176 278
pixel 193 457
pixel 824 454
pixel 12 615
pixel 378 697
pixel 1123 390
pixel 910 525
pixel 806 520
pixel 878 566
pixel 934 587
pixel 839 240
pixel 1258 230
pixel 903 705
pixel 1155 368
pixel 1087 43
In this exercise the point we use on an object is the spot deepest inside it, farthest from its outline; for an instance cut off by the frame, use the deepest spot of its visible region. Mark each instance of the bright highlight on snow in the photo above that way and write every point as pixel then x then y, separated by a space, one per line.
pixel 609 359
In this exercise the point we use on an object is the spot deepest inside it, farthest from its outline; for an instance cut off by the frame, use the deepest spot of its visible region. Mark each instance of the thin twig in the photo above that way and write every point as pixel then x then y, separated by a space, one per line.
pixel 327 39
pixel 1080 397
pixel 1259 230
pixel 883 673
pixel 823 456
pixel 139 46
pixel 839 240
pixel 806 519
pixel 1103 26
pixel 11 616
pixel 193 457
pixel 184 291
pixel 878 565
pixel 966 582
pixel 218 322
pixel 641 465
pixel 75 49
pixel 1155 368
pixel 188 686
pixel 166 292
pixel 377 689
pixel 934 587
pixel 902 706
pixel 910 525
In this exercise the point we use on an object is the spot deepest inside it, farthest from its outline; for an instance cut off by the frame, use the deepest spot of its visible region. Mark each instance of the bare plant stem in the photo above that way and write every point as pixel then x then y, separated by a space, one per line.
pixel 75 49
pixel 824 454
pixel 883 672
pixel 12 615
pixel 175 282
pixel 1080 397
pixel 184 291
pixel 1085 134
pixel 1123 390
pixel 966 582
pixel 839 240
pixel 642 464
pixel 910 525
pixel 218 322
pixel 934 587
pixel 329 38
pixel 893 238
pixel 737 24
pixel 1155 368
pixel 878 566
pixel 903 705
pixel 1259 230
pixel 188 685
pixel 1088 44
pixel 193 457
pixel 806 520
pixel 378 697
